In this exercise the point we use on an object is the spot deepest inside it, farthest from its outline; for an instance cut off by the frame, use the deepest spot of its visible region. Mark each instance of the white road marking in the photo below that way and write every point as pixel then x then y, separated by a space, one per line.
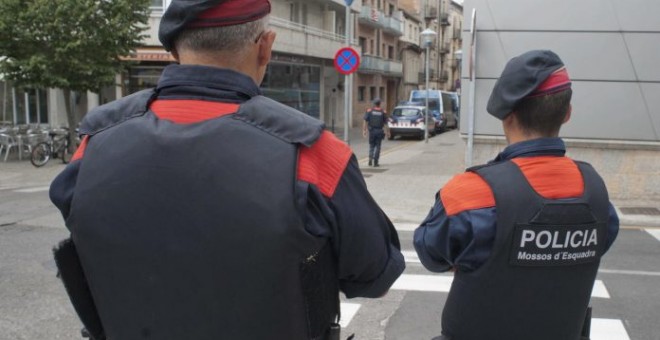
pixel 348 311
pixel 410 256
pixel 599 290
pixel 655 233
pixel 32 190
pixel 608 329
pixel 438 283
pixel 423 283
pixel 406 226
pixel 628 272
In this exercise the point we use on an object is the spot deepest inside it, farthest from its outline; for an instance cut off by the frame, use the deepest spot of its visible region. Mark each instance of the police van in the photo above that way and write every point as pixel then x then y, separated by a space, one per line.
pixel 442 105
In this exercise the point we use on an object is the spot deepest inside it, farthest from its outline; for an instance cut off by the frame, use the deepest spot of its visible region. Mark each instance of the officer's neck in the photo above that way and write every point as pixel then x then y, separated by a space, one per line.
pixel 219 61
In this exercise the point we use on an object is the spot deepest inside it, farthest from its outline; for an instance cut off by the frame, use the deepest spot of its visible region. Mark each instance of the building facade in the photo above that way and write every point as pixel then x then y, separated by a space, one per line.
pixel 380 25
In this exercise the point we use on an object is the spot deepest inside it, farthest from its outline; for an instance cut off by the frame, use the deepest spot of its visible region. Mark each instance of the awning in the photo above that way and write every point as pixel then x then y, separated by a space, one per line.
pixel 150 54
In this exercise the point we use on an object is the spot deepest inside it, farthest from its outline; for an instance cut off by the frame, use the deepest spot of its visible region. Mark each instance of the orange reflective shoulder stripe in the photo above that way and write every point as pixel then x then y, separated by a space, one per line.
pixel 80 152
pixel 323 163
pixel 464 192
pixel 191 111
pixel 552 177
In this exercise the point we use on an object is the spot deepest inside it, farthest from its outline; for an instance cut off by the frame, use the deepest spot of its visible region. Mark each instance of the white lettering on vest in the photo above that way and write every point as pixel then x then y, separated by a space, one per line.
pixel 528 235
pixel 545 244
pixel 593 239
pixel 579 234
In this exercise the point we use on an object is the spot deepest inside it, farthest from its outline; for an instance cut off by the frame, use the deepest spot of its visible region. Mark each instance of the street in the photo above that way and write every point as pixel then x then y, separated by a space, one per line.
pixel 34 306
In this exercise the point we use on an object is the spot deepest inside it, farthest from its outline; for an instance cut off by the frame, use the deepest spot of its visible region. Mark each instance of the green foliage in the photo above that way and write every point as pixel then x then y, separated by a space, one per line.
pixel 68 44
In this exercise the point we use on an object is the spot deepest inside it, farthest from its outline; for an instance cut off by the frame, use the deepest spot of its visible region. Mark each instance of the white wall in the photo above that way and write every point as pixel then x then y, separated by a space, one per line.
pixel 610 48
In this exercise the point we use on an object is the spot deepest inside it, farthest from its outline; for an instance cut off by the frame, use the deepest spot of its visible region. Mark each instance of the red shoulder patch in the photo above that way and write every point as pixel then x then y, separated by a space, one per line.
pixel 191 111
pixel 80 152
pixel 464 192
pixel 552 177
pixel 323 163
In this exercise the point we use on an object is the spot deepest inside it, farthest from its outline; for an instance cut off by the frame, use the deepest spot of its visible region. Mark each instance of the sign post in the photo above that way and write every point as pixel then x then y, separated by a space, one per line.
pixel 348 79
pixel 347 61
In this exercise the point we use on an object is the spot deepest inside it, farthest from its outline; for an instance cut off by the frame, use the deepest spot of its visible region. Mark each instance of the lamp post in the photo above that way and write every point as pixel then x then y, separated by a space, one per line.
pixel 428 35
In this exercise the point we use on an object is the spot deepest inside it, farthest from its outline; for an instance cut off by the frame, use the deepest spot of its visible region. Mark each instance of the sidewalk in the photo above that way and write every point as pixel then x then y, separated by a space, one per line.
pixel 405 185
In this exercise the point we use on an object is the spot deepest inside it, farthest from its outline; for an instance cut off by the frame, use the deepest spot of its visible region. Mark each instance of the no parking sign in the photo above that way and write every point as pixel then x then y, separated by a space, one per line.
pixel 347 60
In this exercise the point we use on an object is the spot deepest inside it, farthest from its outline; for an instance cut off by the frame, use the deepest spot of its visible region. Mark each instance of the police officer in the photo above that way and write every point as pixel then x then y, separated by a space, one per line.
pixel 524 233
pixel 375 123
pixel 202 210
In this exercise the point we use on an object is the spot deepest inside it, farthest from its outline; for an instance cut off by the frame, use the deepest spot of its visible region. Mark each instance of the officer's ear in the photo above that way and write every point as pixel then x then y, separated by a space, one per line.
pixel 265 42
pixel 568 114
pixel 175 54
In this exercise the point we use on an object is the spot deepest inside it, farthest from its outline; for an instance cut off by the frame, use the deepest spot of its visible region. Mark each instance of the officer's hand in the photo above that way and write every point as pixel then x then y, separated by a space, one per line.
pixel 364 134
pixel 388 134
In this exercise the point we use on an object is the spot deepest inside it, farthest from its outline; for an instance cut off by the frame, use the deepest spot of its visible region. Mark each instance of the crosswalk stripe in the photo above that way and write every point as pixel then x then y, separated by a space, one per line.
pixel 410 256
pixel 655 233
pixel 608 329
pixel 599 290
pixel 406 226
pixel 442 284
pixel 348 311
pixel 32 190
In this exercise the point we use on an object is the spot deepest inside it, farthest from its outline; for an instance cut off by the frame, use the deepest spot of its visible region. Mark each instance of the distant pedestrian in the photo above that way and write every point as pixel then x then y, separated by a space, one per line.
pixel 202 210
pixel 524 233
pixel 375 125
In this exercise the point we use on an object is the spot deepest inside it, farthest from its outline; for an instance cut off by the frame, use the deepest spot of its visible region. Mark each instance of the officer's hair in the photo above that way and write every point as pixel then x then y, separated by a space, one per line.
pixel 544 115
pixel 235 39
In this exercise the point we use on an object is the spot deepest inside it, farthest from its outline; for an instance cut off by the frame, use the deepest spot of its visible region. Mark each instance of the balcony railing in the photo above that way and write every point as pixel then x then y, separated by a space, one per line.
pixel 393 26
pixel 444 19
pixel 433 75
pixel 372 64
pixel 305 40
pixel 372 17
pixel 444 48
pixel 430 12
pixel 441 76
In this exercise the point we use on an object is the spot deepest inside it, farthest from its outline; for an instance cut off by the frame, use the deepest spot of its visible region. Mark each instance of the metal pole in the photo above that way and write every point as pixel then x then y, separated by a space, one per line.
pixel 426 115
pixel 347 79
pixel 473 80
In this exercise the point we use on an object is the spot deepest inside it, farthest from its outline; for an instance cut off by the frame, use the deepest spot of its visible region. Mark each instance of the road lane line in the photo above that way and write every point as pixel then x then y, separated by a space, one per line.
pixel 32 190
pixel 410 256
pixel 442 284
pixel 655 233
pixel 628 272
pixel 608 329
pixel 348 311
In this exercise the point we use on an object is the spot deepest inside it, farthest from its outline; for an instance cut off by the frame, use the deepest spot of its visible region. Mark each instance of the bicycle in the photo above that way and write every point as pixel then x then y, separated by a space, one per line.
pixel 56 146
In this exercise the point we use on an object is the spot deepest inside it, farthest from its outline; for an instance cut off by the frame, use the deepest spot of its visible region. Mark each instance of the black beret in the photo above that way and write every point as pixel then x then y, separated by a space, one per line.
pixel 182 14
pixel 522 75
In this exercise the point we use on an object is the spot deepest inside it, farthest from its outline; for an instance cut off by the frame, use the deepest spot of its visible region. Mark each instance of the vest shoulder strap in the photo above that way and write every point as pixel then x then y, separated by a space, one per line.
pixel 281 121
pixel 111 114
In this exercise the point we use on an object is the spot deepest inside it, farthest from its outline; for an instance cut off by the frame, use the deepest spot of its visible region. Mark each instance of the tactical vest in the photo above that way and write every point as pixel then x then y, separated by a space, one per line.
pixel 193 231
pixel 538 280
pixel 376 118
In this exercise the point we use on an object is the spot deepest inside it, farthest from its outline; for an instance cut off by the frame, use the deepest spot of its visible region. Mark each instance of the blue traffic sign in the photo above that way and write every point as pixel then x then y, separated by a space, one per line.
pixel 347 60
pixel 348 2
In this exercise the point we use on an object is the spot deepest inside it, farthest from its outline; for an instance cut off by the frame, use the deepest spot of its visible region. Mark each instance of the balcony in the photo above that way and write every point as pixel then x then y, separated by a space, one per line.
pixel 393 25
pixel 432 75
pixel 305 40
pixel 440 77
pixel 444 19
pixel 370 16
pixel 372 64
pixel 430 13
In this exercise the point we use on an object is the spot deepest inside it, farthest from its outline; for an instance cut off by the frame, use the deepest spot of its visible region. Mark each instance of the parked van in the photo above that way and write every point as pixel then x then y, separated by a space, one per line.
pixel 442 105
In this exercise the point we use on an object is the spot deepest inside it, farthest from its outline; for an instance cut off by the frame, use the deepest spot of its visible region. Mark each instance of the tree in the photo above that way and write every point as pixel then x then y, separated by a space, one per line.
pixel 74 45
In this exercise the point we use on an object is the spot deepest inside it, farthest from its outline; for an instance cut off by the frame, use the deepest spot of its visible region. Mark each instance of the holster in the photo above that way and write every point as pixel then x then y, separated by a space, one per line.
pixel 73 277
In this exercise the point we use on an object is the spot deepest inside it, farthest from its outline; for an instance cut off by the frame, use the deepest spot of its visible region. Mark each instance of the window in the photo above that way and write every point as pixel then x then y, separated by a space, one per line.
pixel 361 93
pixel 371 50
pixel 382 93
pixel 390 52
pixel 157 4
pixel 391 10
pixel 372 93
pixel 363 45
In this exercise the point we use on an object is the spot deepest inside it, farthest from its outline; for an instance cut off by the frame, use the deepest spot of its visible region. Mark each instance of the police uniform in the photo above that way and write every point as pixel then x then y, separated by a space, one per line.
pixel 376 118
pixel 203 210
pixel 525 232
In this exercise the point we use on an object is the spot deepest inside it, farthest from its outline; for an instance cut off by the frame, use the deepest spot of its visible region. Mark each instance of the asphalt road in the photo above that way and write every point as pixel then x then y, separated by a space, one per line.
pixel 33 304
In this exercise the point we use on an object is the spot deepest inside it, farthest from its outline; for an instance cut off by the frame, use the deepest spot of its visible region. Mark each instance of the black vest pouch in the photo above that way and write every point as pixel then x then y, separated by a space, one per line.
pixel 321 294
pixel 75 283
